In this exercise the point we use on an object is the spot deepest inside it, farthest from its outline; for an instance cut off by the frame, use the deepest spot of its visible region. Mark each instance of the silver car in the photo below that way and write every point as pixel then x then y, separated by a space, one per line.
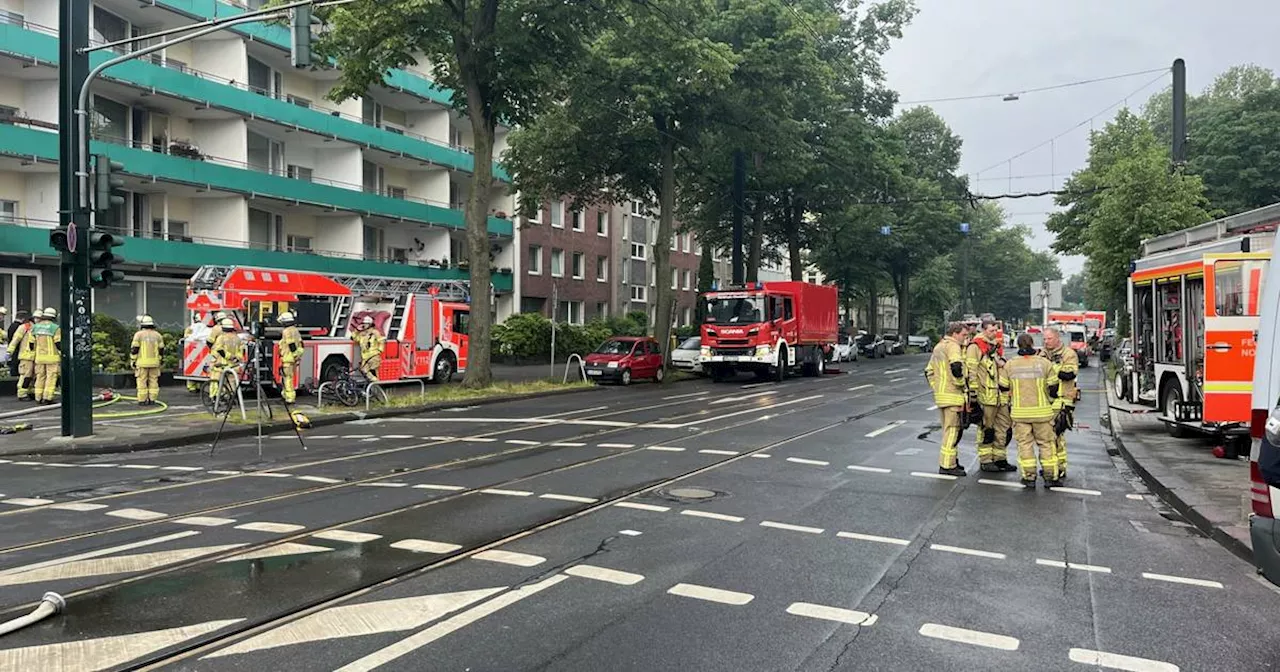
pixel 685 356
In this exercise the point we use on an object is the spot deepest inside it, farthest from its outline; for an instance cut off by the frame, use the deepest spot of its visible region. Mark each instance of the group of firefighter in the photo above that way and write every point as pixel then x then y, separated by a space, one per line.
pixel 1028 399
pixel 35 354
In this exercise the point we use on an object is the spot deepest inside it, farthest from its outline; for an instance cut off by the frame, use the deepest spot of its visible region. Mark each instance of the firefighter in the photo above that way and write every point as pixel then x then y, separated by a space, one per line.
pixel 144 356
pixel 372 343
pixel 290 354
pixel 228 353
pixel 1033 387
pixel 983 366
pixel 46 339
pixel 1066 367
pixel 22 354
pixel 192 386
pixel 946 377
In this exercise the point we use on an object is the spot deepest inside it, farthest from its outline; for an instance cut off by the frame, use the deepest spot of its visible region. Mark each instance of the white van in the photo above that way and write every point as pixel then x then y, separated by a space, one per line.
pixel 1264 425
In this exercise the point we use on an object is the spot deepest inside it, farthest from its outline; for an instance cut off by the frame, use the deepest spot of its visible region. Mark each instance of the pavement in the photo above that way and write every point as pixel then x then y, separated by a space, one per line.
pixel 732 526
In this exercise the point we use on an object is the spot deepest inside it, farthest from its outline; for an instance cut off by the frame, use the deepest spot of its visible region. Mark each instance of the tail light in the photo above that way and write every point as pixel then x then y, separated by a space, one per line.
pixel 1259 493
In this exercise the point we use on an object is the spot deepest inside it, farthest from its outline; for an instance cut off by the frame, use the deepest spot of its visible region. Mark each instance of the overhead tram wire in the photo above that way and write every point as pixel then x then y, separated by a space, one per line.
pixel 1021 92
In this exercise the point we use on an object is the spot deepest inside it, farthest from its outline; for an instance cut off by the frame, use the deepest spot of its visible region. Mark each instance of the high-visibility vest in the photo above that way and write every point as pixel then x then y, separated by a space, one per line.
pixel 47 336
pixel 290 345
pixel 1064 361
pixel 1030 377
pixel 228 349
pixel 146 348
pixel 948 389
pixel 371 342
pixel 21 344
pixel 983 374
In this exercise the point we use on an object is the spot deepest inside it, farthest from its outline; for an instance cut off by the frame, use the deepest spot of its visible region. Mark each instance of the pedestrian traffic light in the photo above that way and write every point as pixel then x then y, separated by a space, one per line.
pixel 300 40
pixel 108 186
pixel 102 258
pixel 59 241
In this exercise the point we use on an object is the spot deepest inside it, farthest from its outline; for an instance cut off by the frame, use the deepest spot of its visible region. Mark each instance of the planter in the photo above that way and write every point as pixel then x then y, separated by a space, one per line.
pixel 114 380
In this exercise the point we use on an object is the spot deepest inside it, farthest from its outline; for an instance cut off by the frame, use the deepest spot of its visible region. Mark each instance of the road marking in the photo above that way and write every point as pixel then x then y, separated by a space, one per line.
pixel 761 456
pixel 908 451
pixel 1116 661
pixel 1003 484
pixel 508 493
pixel 226 473
pixel 358 436
pixel 665 449
pixel 398 436
pixel 99 465
pixel 642 507
pixel 367 618
pixel 416 641
pixel 896 380
pixel 139 466
pixel 347 536
pixel 882 430
pixel 103 551
pixel 569 498
pixel 117 564
pixel 568 444
pixel 686 396
pixel 27 501
pixel 1179 579
pixel 617 445
pixel 743 397
pixel 940 477
pixel 793 528
pixel 604 574
pixel 77 506
pixel 713 451
pixel 734 414
pixel 182 468
pixel 137 514
pixel 270 474
pixel 1137 497
pixel 442 438
pixel 711 515
pixel 383 484
pixel 275 528
pixel 975 637
pixel 437 486
pixel 711 594
pixel 873 537
pixel 425 546
pixel 479 439
pixel 105 652
pixel 859 387
pixel 323 436
pixel 205 521
pixel 522 442
pixel 892 371
pixel 319 479
pixel 58 464
pixel 826 613
pixel 932 408
pixel 30 464
pixel 630 533
pixel 510 558
pixel 1077 491
pixel 801 460
pixel 1073 565
pixel 874 470
pixel 968 551
pixel 277 550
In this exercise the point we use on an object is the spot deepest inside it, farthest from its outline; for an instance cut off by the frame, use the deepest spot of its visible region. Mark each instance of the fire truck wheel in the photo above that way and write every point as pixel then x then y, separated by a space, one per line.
pixel 780 371
pixel 445 368
pixel 1121 386
pixel 1170 397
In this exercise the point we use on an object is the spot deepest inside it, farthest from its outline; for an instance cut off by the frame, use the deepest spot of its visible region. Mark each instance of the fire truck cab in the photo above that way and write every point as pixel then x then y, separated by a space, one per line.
pixel 1194 300
pixel 425 322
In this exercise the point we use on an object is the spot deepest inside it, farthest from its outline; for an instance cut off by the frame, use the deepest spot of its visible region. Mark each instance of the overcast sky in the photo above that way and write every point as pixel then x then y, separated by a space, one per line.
pixel 967 47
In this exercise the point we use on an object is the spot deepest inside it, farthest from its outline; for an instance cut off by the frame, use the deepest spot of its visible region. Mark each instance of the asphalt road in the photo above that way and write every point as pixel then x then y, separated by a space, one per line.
pixel 800 526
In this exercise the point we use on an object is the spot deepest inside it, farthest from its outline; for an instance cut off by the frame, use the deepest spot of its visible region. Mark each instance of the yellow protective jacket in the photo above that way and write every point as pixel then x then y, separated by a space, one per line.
pixel 983 374
pixel 47 337
pixel 1030 377
pixel 1066 367
pixel 146 349
pixel 946 374
pixel 227 349
pixel 20 345
pixel 290 345
pixel 371 342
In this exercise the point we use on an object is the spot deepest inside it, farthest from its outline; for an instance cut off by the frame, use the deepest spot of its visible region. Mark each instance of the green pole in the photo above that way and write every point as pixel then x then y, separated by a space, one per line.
pixel 76 312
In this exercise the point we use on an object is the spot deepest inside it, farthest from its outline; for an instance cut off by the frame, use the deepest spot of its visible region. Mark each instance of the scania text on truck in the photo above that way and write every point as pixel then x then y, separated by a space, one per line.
pixel 769 328
pixel 1194 299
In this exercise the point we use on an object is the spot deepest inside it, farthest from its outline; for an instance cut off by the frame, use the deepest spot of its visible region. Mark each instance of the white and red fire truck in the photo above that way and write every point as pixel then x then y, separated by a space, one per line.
pixel 1194 300
pixel 425 321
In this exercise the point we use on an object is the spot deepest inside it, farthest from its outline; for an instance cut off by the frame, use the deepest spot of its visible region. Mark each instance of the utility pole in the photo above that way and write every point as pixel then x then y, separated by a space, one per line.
pixel 1179 149
pixel 76 311
pixel 739 209
pixel 964 272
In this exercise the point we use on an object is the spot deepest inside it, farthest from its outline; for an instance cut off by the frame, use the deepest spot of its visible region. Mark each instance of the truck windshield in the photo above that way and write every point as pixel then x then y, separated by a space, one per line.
pixel 745 310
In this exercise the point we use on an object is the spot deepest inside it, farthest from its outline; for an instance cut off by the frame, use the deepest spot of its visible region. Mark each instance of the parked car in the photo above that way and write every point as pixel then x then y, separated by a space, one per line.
pixel 871 345
pixel 921 342
pixel 846 348
pixel 622 359
pixel 894 345
pixel 685 356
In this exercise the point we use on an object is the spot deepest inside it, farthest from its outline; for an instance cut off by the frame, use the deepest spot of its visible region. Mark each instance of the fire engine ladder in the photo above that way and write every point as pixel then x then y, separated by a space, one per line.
pixel 366 285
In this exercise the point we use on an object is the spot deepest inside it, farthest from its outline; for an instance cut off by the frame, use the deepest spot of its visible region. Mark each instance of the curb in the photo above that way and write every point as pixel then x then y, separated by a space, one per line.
pixel 1171 495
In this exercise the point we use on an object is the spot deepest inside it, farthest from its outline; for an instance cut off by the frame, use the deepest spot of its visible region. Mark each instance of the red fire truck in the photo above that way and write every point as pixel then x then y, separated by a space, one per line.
pixel 769 328
pixel 1194 297
pixel 425 321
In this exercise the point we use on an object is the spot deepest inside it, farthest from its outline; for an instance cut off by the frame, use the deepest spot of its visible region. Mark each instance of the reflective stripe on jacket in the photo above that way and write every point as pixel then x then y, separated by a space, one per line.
pixel 21 344
pixel 1030 377
pixel 948 389
pixel 1064 361
pixel 47 337
pixel 147 346
pixel 290 345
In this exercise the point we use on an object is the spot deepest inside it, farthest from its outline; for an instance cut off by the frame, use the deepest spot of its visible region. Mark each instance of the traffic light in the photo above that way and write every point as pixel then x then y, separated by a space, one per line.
pixel 107 190
pixel 58 240
pixel 300 38
pixel 102 257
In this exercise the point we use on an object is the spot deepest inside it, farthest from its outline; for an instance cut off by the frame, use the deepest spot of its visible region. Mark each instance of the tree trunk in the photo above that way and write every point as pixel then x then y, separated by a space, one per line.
pixel 793 214
pixel 903 285
pixel 756 245
pixel 662 246
pixel 477 221
pixel 873 296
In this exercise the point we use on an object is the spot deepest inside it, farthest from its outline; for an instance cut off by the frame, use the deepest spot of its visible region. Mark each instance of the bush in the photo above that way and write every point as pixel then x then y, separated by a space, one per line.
pixel 106 356
pixel 172 354
pixel 527 336
pixel 117 333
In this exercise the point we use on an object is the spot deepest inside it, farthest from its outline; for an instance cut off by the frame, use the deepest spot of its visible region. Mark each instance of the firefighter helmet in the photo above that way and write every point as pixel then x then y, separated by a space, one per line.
pixel 146 321
pixel 285 318
pixel 367 321
pixel 227 324
pixel 50 314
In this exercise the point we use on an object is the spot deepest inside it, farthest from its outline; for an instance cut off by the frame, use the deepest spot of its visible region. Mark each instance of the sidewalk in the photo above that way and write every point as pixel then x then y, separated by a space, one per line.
pixel 1212 493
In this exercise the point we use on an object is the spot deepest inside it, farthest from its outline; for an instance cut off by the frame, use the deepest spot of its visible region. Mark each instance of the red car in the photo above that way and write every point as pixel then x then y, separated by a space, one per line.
pixel 624 358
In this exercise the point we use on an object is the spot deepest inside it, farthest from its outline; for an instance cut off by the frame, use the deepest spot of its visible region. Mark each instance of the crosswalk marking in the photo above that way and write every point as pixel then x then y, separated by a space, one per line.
pixel 105 652
pixel 277 550
pixel 425 546
pixel 510 558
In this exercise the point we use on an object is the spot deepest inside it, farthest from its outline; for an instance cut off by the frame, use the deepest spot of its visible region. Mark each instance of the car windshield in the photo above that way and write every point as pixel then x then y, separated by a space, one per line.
pixel 1077 336
pixel 890 337
pixel 745 310
pixel 693 343
pixel 614 347
pixel 865 339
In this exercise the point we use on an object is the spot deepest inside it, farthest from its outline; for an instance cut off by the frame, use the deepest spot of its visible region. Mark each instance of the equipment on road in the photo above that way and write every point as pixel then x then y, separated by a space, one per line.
pixel 769 328
pixel 51 603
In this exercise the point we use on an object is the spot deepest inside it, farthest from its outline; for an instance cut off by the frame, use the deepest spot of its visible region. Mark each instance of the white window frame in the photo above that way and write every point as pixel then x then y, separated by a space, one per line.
pixel 578 220
pixel 577 265
pixel 557 208
pixel 535 269
pixel 536 217
pixel 554 252
pixel 675 242
pixel 688 242
pixel 602 309
pixel 14 218
pixel 686 284
pixel 639 293
pixel 602 217
pixel 12 299
pixel 640 247
pixel 675 278
pixel 602 268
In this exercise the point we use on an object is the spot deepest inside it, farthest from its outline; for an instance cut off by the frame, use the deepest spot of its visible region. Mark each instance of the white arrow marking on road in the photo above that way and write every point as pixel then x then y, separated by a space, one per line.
pixel 1116 661
pixel 105 652
pixel 882 430
pixel 287 548
pixel 353 620
pixel 975 637
pixel 100 567
pixel 859 387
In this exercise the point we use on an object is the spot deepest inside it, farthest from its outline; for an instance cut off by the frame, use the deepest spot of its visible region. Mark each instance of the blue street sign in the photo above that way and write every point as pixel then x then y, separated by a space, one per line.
pixel 884 230
pixel 964 227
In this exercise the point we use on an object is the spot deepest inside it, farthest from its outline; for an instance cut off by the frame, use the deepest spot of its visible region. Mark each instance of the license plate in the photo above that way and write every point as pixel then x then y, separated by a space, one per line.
pixel 593 372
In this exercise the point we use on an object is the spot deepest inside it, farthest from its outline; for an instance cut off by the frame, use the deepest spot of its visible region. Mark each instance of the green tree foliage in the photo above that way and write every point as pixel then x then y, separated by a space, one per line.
pixel 1001 264
pixel 1073 295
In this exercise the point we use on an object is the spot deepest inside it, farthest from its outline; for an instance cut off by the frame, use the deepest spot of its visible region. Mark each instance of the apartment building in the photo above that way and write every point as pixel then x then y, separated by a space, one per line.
pixel 569 262
pixel 638 277
pixel 232 156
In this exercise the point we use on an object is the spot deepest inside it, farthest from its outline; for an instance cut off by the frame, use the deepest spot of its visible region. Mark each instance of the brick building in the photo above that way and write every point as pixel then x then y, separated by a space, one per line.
pixel 568 257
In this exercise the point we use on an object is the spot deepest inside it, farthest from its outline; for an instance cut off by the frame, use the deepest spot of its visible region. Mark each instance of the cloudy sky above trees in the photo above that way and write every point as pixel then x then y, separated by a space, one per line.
pixel 1007 46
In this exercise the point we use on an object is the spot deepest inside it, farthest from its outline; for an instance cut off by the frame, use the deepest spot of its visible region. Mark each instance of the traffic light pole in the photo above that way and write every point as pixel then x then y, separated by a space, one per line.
pixel 76 311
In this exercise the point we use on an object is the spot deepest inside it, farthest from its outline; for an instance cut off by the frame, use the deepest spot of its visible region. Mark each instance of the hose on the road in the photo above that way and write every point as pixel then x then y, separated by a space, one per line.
pixel 160 407
pixel 52 603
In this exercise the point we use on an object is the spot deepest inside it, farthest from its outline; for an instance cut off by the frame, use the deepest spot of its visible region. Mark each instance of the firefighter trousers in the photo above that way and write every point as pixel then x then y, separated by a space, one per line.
pixel 369 367
pixel 949 454
pixel 148 380
pixel 1060 449
pixel 26 378
pixel 993 441
pixel 289 382
pixel 1031 436
pixel 46 381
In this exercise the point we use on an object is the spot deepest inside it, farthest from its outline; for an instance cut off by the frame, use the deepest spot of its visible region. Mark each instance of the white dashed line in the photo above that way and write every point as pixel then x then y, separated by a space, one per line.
pixel 713 451
pixel 859 387
pixel 205 521
pixel 58 464
pixel 27 501
pixel 1073 565
pixel 479 439
pixel 892 371
pixel 1136 497
pixel 96 466
pixel 182 468
pixel 1077 491
pixel 510 558
pixel 319 479
pixel 604 574
pixel 629 533
pixel 882 430
pixel 30 464
pixel 711 594
pixel 873 470
pixel 801 460
pixel 975 637
pixel 139 466
pixel 425 546
pixel 508 493
pixel 568 444
pixel 274 528
pixel 269 474
pixel 226 473
pixel 358 436
pixel 873 537
pixel 78 506
pixel 761 456
pixel 322 437
pixel 617 445
pixel 382 484
pixel 1003 484
pixel 828 613
pixel 896 380
pixel 643 507
pixel 685 396
pixel 568 498
pixel 437 486
pixel 1183 580
pixel 398 436
pixel 793 528
pixel 968 551
pixel 1115 661
pixel 712 515
pixel 441 438
pixel 137 514
pixel 932 408
pixel 347 536
pixel 522 442
pixel 665 449
pixel 940 477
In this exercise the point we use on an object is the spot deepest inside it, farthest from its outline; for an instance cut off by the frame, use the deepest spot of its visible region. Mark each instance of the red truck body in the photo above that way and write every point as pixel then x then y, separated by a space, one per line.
pixel 769 327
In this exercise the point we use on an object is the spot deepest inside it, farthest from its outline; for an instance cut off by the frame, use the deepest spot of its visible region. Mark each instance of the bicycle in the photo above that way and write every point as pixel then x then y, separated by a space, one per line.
pixel 230 382
pixel 348 386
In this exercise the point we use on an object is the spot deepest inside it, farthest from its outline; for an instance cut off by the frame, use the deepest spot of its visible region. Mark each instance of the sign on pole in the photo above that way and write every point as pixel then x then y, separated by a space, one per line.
pixel 1046 294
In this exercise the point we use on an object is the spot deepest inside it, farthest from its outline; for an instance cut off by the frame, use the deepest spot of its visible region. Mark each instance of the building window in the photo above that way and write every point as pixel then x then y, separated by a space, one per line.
pixel 557 214
pixel 571 311
pixel 299 243
pixel 637 251
pixel 675 278
pixel 396 192
pixel 110 120
pixel 688 278
pixel 536 215
pixel 639 293
pixel 637 208
pixel 675 242
pixel 688 317
pixel 602 223
pixel 602 310
pixel 535 260
pixel 688 242
pixel 653 275
pixel 557 263
pixel 602 269
pixel 9 212
pixel 579 220
pixel 578 262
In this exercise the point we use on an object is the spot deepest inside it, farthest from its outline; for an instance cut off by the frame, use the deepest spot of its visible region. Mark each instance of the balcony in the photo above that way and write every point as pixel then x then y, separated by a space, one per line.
pixel 229 176
pixel 32 41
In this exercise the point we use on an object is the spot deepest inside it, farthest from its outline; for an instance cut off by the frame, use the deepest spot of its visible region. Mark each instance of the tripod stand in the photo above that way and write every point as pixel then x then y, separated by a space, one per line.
pixel 260 393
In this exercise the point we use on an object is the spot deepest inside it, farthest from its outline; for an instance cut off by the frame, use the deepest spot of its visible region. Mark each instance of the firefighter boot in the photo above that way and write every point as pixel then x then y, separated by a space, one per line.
pixel 1003 465
pixel 993 466
pixel 957 470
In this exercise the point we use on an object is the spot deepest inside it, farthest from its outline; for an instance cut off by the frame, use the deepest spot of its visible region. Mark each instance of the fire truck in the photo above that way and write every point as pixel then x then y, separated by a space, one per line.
pixel 1194 299
pixel 425 321
pixel 769 328
pixel 1093 320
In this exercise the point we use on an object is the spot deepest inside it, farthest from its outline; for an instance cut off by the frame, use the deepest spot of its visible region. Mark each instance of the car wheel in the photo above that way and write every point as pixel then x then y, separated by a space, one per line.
pixel 626 377
pixel 660 374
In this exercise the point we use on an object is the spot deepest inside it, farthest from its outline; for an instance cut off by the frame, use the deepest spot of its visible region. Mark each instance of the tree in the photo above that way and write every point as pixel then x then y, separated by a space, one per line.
pixel 1073 291
pixel 503 60
pixel 1001 265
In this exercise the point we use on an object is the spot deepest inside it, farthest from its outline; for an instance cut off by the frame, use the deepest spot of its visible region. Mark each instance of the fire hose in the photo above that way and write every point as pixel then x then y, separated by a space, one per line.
pixel 52 603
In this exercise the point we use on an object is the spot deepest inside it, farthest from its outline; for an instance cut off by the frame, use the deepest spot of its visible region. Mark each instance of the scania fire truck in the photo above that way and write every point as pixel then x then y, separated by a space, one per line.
pixel 1194 298
pixel 425 321
pixel 769 328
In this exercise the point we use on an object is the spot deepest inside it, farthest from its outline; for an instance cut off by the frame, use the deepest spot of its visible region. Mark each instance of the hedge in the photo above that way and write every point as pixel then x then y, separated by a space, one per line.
pixel 112 341
pixel 527 336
